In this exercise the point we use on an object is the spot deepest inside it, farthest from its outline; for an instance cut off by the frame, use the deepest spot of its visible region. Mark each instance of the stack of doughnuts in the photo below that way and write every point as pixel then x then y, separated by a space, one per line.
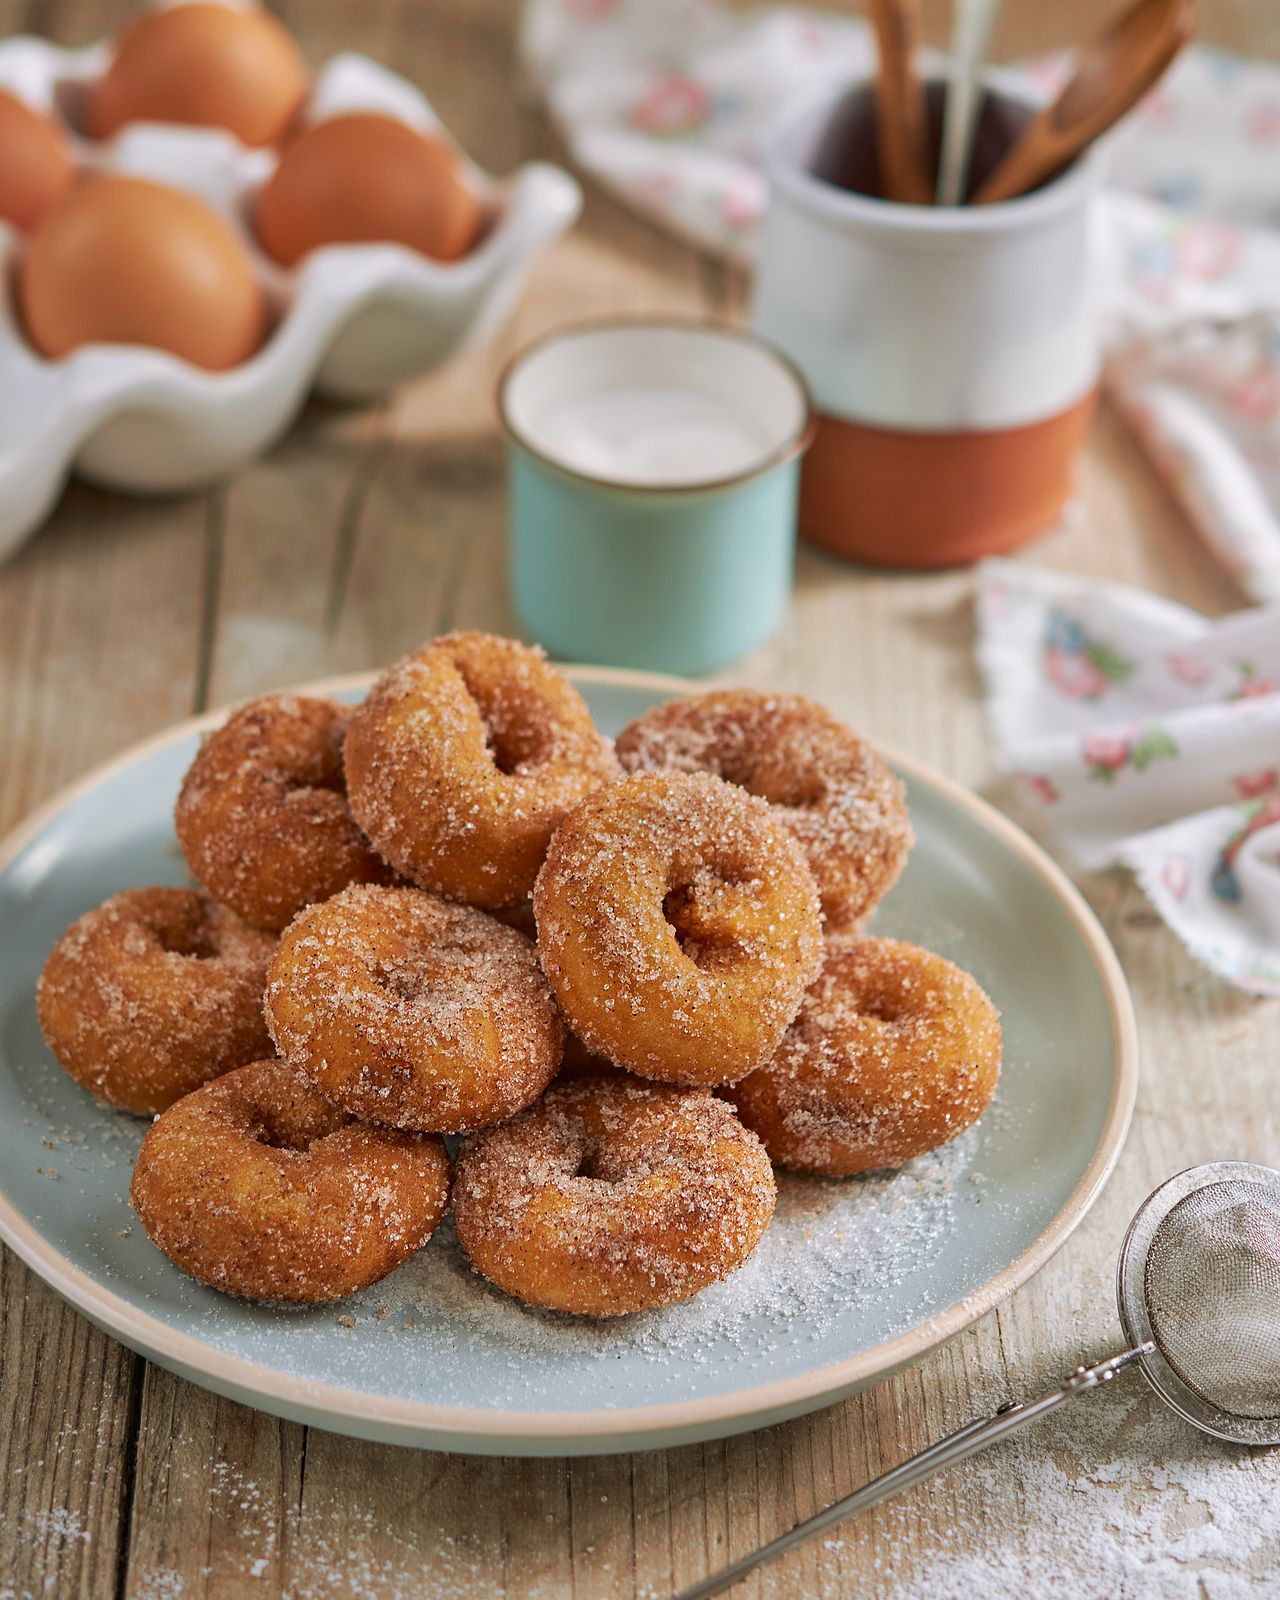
pixel 627 978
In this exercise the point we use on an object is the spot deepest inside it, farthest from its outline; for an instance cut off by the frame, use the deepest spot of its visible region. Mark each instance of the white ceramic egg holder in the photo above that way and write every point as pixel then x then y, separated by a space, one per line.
pixel 352 321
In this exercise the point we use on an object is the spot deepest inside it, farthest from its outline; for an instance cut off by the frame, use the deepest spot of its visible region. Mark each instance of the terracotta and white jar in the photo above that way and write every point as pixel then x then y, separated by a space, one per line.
pixel 951 352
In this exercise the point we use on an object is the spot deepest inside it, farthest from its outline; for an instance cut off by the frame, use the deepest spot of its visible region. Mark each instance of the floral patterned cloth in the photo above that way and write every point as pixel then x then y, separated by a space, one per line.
pixel 1149 736
pixel 664 100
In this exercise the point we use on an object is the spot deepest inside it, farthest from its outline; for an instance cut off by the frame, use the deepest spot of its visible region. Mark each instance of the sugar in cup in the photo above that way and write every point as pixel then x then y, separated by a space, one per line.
pixel 653 484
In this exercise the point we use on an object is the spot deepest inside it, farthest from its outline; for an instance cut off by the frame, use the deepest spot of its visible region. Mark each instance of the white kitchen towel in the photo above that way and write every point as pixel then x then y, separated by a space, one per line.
pixel 1147 735
pixel 664 102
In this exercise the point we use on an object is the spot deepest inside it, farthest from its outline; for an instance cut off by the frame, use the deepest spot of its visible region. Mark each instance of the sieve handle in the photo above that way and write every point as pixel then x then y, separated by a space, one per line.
pixel 955 1447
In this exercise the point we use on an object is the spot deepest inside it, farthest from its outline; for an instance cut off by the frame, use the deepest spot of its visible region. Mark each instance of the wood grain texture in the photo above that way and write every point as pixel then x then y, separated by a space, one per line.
pixel 362 532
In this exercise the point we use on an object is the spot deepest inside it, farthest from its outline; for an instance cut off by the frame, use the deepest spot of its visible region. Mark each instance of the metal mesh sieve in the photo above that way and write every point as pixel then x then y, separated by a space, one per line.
pixel 1200 1279
pixel 1212 1285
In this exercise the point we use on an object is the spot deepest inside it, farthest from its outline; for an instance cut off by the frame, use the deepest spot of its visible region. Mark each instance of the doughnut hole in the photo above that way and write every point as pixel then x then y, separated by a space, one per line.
pixel 717 916
pixel 297 1123
pixel 517 729
pixel 191 939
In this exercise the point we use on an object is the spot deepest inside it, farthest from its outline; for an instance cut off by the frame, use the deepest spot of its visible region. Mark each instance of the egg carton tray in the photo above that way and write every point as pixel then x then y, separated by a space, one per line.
pixel 350 321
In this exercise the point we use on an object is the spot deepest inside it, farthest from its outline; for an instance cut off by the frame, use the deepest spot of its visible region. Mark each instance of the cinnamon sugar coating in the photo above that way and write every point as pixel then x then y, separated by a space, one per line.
pixel 613 1196
pixel 257 1185
pixel 411 1011
pixel 895 1051
pixel 154 993
pixel 464 758
pixel 828 785
pixel 678 923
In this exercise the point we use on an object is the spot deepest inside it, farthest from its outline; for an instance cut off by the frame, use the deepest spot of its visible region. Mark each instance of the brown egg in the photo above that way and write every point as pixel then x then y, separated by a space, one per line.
pixel 362 178
pixel 36 169
pixel 124 261
pixel 221 66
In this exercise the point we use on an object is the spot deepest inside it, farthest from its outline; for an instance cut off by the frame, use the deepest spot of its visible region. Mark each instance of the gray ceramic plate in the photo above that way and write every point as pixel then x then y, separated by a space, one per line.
pixel 853 1280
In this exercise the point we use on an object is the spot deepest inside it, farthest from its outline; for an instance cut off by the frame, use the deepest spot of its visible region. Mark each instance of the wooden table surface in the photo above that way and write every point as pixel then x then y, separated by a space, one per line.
pixel 364 532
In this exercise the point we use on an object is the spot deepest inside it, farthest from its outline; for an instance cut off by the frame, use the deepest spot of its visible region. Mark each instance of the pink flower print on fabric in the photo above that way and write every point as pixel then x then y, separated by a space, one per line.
pixel 1205 250
pixel 1249 785
pixel 673 107
pixel 1262 122
pixel 1261 814
pixel 1187 668
pixel 1202 252
pixel 743 204
pixel 1176 876
pixel 814 36
pixel 1082 667
pixel 1257 394
pixel 1252 685
pixel 1041 786
pixel 1151 271
pixel 1106 755
pixel 1160 109
pixel 1075 675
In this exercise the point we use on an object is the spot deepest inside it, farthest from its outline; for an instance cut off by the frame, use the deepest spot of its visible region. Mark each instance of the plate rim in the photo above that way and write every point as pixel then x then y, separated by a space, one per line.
pixel 415 1420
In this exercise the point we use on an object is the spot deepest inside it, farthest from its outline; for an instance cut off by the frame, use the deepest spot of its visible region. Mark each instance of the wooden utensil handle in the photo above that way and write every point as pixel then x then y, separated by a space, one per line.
pixel 1105 86
pixel 901 120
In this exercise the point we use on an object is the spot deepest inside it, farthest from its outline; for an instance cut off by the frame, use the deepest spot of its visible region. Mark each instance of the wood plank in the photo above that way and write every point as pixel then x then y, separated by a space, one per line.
pixel 99 646
pixel 68 1407
pixel 216 1505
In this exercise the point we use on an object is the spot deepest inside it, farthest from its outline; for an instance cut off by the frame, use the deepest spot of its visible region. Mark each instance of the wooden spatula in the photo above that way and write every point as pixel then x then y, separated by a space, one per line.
pixel 1112 73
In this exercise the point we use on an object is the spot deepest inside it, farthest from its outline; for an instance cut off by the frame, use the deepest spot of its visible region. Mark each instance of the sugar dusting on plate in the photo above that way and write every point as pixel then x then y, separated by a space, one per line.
pixel 830 1246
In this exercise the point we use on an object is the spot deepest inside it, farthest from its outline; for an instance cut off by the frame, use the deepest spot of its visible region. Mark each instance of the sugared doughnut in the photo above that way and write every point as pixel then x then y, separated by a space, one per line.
pixel 833 791
pixel 257 1185
pixel 414 1012
pixel 464 758
pixel 262 817
pixel 895 1051
pixel 617 1196
pixel 153 994
pixel 679 925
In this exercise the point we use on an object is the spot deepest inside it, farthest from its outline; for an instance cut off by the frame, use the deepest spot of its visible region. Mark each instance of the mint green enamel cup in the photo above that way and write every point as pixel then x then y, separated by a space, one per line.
pixel 654 468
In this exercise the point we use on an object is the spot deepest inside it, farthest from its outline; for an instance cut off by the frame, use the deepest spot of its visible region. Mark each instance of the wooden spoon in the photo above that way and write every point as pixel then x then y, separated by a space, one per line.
pixel 1112 74
pixel 902 128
